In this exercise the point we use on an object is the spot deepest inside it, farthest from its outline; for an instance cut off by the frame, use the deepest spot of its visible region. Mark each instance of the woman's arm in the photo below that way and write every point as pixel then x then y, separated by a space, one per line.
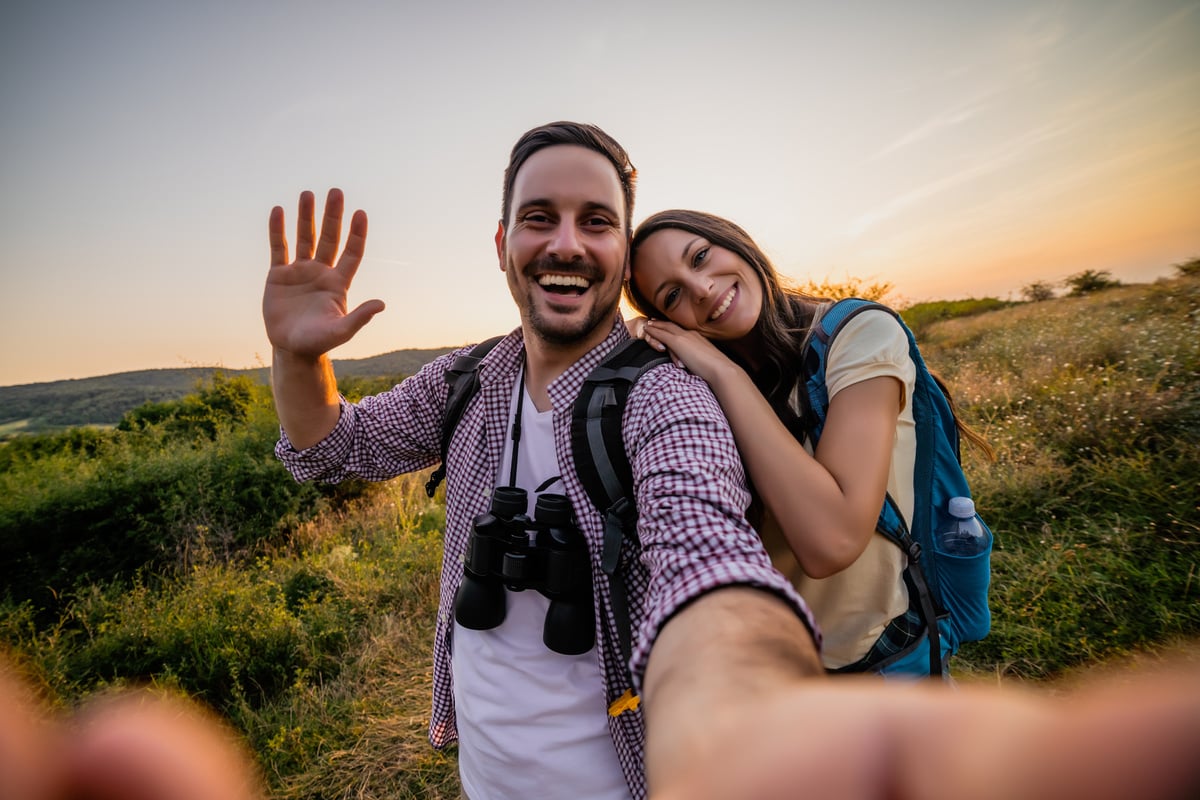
pixel 825 506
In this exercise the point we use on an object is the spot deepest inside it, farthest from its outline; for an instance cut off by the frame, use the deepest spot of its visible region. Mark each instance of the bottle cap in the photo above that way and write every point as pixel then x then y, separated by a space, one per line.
pixel 962 507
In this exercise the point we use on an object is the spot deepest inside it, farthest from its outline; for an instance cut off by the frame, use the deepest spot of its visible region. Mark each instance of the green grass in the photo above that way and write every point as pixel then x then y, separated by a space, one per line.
pixel 307 620
pixel 1093 405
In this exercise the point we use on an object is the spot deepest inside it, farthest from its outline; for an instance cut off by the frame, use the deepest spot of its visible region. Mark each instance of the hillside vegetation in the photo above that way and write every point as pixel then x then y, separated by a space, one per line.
pixel 57 405
pixel 173 550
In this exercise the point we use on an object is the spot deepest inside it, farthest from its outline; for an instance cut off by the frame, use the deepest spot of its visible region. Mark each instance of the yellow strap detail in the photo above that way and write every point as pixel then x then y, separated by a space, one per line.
pixel 626 702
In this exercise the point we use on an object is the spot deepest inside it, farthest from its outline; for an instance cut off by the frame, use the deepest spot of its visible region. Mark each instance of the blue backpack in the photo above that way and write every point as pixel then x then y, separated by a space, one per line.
pixel 947 593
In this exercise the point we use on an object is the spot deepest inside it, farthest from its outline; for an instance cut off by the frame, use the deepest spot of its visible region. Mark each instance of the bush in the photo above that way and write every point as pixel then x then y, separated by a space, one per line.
pixel 1038 291
pixel 851 287
pixel 1089 281
pixel 80 508
pixel 1187 269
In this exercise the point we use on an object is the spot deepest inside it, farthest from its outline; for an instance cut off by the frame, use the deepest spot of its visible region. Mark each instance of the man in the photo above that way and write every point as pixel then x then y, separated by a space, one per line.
pixel 723 625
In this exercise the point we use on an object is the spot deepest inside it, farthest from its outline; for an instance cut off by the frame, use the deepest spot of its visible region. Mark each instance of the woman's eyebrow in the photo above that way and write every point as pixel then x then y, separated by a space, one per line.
pixel 686 247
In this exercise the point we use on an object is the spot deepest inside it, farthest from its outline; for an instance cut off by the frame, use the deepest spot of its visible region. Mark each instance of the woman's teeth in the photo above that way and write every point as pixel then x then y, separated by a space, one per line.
pixel 721 309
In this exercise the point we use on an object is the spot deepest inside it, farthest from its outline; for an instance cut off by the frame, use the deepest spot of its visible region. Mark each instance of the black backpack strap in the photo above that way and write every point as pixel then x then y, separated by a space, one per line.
pixel 464 383
pixel 603 465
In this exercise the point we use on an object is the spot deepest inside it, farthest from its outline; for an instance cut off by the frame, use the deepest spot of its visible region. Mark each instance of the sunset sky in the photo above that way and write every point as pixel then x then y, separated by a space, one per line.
pixel 951 149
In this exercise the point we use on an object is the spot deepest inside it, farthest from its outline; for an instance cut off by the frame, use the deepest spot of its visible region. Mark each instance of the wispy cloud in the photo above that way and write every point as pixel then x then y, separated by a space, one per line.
pixel 1153 39
pixel 946 119
pixel 1012 151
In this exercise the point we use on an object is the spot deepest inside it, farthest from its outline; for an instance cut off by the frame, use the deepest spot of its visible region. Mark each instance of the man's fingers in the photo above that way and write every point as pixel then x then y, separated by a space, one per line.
pixel 356 245
pixel 275 232
pixel 304 227
pixel 360 316
pixel 331 228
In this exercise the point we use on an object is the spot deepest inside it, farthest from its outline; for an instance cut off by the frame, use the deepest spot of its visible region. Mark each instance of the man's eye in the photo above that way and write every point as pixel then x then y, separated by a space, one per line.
pixel 598 222
pixel 536 217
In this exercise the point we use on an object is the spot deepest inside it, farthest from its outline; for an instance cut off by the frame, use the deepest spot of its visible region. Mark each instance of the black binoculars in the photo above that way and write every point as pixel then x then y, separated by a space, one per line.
pixel 547 553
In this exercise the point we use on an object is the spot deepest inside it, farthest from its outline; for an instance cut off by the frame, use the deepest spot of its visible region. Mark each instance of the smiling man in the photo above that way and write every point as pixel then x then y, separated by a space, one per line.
pixel 712 623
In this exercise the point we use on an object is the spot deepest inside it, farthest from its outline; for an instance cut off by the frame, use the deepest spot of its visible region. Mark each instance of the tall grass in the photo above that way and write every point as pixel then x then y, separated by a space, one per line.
pixel 318 650
pixel 1093 404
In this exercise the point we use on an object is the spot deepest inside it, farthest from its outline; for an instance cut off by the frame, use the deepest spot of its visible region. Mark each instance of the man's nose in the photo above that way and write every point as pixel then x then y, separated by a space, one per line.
pixel 566 243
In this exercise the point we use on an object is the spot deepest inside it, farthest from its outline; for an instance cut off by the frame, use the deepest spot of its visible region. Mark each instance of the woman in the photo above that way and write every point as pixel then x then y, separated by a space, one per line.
pixel 730 321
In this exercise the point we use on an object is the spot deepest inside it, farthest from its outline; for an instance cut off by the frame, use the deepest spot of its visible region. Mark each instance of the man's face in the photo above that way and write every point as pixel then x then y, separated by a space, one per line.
pixel 564 245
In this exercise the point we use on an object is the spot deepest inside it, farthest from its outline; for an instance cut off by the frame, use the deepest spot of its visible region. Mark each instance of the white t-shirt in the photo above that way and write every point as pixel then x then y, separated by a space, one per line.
pixel 855 605
pixel 531 722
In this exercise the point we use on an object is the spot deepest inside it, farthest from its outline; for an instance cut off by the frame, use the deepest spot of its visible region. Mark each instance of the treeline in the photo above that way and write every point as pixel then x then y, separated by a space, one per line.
pixel 56 405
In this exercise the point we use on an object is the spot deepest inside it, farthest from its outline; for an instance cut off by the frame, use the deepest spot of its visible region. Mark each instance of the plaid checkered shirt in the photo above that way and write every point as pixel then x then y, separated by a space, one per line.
pixel 688 478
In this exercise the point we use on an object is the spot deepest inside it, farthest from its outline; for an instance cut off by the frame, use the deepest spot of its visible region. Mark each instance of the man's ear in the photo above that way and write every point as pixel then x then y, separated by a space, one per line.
pixel 500 243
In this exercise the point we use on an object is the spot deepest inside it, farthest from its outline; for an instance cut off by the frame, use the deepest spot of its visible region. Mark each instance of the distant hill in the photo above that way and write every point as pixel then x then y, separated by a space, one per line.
pixel 35 407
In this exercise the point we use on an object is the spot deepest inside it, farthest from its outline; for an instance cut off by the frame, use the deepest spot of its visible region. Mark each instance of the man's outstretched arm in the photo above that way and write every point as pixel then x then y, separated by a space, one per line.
pixel 776 734
pixel 728 650
pixel 304 310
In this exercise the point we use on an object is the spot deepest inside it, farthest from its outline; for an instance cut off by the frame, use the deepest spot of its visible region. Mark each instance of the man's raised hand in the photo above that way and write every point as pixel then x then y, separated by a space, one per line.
pixel 304 303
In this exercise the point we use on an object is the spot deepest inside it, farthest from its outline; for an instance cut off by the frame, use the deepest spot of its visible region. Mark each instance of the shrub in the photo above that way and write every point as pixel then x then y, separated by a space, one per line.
pixel 1089 281
pixel 222 401
pixel 1188 269
pixel 77 509
pixel 850 287
pixel 1038 291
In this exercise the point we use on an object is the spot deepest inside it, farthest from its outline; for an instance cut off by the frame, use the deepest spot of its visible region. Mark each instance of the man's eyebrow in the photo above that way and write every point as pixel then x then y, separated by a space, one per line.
pixel 536 202
pixel 591 206
pixel 546 202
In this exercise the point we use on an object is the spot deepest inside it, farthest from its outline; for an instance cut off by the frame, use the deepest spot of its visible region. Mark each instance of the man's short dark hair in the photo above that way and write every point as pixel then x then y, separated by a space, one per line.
pixel 576 133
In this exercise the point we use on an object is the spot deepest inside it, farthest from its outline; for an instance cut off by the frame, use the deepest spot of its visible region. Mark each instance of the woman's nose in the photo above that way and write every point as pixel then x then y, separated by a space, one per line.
pixel 701 288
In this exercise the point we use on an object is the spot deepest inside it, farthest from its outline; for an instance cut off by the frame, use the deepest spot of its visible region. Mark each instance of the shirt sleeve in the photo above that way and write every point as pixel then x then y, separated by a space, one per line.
pixel 380 436
pixel 871 345
pixel 691 498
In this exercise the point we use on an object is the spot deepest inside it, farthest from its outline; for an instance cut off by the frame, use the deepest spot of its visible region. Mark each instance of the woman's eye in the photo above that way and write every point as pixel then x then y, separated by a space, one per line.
pixel 700 256
pixel 670 297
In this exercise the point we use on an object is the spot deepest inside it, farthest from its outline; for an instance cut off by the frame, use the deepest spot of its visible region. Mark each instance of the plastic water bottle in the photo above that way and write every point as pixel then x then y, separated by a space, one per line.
pixel 962 535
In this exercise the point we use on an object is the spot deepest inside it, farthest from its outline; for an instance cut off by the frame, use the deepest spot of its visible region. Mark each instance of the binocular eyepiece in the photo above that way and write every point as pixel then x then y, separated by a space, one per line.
pixel 547 553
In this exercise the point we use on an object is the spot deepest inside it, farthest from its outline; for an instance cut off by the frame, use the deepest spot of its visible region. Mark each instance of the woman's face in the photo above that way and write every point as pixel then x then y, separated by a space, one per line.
pixel 698 285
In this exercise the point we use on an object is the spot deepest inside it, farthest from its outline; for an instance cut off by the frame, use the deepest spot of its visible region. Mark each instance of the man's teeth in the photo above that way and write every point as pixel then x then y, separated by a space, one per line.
pixel 721 309
pixel 576 281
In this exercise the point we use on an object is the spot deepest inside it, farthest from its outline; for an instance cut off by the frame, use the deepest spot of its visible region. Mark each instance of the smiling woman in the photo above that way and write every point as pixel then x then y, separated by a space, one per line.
pixel 822 475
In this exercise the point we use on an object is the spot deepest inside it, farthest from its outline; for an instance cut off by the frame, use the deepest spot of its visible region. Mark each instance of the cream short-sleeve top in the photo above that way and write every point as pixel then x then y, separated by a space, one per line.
pixel 855 605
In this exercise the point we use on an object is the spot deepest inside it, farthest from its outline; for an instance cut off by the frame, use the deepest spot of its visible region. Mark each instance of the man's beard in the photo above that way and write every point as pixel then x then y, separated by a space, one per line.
pixel 558 331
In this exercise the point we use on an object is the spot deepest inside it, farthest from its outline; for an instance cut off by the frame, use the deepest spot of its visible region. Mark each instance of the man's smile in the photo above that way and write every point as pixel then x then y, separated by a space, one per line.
pixel 557 283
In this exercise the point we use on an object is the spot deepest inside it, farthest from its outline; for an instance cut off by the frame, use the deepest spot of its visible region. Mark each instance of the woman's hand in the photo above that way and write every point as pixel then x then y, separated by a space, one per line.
pixel 688 349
